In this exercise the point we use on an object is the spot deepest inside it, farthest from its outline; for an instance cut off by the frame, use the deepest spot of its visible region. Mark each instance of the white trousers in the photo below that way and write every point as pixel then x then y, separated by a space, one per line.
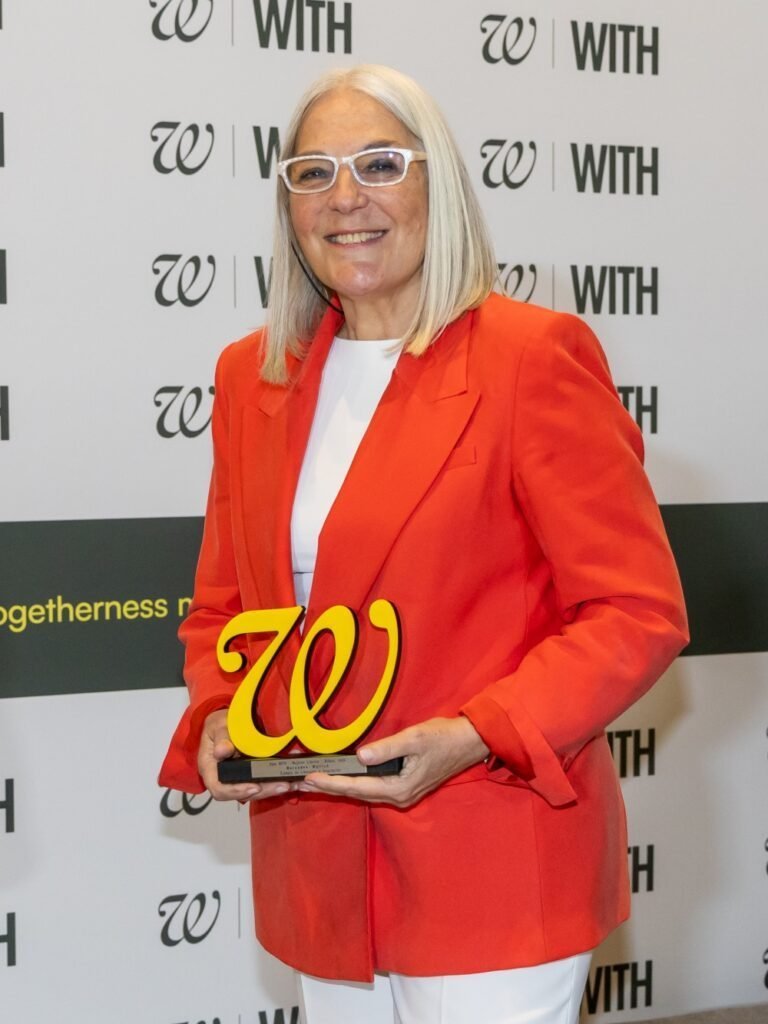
pixel 546 994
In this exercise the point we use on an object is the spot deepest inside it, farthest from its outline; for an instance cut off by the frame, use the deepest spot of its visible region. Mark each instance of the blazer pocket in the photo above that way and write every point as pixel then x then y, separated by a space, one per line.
pixel 464 455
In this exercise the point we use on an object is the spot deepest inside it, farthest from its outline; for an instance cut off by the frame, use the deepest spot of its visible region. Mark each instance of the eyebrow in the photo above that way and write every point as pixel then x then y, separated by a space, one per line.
pixel 376 144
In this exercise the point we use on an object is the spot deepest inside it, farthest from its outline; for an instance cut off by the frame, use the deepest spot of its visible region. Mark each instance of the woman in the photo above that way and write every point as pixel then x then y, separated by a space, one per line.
pixel 401 432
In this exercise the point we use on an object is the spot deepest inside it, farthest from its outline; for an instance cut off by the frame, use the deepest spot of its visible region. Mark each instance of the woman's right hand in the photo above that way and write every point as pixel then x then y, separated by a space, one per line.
pixel 215 746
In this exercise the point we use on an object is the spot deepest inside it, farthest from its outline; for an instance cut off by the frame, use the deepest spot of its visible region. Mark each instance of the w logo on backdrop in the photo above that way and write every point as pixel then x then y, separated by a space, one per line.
pixel 181 415
pixel 181 149
pixel 517 281
pixel 507 163
pixel 185 282
pixel 173 803
pixel 508 39
pixel 185 20
pixel 188 918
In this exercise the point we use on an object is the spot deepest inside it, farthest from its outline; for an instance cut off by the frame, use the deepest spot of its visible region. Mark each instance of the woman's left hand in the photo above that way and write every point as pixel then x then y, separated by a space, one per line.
pixel 433 751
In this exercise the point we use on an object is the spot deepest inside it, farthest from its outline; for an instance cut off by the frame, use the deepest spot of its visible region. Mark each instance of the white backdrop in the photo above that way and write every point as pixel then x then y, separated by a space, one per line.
pixel 99 104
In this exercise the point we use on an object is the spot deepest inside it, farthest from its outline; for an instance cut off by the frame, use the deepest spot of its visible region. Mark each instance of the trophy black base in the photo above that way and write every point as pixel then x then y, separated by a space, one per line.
pixel 262 769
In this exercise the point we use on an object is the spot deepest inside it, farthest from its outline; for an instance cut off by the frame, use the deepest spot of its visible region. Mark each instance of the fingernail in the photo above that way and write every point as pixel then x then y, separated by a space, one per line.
pixel 253 792
pixel 364 753
pixel 281 789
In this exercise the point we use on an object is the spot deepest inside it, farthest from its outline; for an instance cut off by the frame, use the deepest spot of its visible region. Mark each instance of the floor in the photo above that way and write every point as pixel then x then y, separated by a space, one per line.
pixel 737 1015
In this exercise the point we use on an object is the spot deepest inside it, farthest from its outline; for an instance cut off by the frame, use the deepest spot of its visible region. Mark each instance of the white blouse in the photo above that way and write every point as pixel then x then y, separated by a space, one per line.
pixel 354 378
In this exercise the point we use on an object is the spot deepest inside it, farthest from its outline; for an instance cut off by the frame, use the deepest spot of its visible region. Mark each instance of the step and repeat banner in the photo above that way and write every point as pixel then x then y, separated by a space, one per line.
pixel 619 150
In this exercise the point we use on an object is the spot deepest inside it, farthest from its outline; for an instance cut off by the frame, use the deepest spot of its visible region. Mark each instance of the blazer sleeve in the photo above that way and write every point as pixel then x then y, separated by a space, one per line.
pixel 579 479
pixel 216 599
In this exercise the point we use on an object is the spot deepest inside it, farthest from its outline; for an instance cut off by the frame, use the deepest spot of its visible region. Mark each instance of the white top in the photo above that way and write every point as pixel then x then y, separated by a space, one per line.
pixel 354 378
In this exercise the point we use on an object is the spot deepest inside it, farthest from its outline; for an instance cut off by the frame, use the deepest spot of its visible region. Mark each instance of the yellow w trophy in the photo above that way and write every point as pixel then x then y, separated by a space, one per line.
pixel 260 752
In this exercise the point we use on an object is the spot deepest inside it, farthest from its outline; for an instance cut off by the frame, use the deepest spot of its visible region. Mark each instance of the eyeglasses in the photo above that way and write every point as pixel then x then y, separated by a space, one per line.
pixel 372 167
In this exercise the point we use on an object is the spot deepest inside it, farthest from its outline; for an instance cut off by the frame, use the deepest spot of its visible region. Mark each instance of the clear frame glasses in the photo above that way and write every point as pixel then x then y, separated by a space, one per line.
pixel 373 168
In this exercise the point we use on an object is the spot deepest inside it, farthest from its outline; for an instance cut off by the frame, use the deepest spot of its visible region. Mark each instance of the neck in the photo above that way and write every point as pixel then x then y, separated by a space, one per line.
pixel 367 320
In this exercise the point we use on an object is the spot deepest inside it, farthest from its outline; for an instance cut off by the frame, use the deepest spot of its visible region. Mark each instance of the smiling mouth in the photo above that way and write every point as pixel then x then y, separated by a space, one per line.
pixel 355 237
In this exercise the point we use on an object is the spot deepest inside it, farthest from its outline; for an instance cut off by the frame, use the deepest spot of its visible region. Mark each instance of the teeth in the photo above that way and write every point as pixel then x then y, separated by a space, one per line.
pixel 355 236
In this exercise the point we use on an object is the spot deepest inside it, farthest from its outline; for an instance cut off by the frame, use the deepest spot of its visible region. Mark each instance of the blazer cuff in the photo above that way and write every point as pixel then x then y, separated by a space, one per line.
pixel 515 740
pixel 179 769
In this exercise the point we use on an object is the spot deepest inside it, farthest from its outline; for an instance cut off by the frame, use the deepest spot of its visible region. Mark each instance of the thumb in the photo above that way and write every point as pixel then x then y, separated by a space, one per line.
pixel 223 746
pixel 382 750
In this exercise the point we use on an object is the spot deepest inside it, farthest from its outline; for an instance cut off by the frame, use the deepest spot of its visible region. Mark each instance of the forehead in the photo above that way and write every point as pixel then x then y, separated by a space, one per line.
pixel 346 120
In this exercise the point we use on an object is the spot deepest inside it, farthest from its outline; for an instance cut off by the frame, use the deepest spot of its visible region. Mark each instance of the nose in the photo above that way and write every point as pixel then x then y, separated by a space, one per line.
pixel 347 193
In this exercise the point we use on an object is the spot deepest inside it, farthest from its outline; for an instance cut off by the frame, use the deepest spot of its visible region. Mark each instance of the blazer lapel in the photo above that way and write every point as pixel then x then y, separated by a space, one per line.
pixel 275 431
pixel 419 419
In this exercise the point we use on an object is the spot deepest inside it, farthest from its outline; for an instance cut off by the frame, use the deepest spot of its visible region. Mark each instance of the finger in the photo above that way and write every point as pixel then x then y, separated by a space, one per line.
pixel 272 789
pixel 208 766
pixel 231 791
pixel 388 789
pixel 246 791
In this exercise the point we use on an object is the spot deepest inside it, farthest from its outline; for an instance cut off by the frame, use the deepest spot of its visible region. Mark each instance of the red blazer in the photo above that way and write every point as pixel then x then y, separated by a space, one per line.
pixel 499 501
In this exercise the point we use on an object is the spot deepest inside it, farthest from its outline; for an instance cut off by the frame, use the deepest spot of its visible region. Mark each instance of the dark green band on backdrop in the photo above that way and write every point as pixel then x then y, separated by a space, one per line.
pixel 144 566
pixel 722 554
pixel 94 605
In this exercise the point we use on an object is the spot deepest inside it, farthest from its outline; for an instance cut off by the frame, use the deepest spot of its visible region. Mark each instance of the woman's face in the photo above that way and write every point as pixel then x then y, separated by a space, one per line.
pixel 386 263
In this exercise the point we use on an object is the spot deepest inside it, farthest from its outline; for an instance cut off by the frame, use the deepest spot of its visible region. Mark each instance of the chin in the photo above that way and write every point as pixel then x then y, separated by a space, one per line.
pixel 356 287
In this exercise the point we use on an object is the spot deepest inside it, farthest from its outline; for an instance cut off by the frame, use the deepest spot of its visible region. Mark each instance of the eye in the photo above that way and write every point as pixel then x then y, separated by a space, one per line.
pixel 382 164
pixel 313 172
pixel 310 174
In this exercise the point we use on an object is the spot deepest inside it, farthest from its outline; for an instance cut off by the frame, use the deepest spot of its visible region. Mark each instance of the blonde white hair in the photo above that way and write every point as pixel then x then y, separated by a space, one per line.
pixel 459 264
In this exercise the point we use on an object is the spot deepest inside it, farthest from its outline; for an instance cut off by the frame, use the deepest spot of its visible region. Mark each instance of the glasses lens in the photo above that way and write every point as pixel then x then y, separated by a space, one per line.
pixel 380 167
pixel 310 175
